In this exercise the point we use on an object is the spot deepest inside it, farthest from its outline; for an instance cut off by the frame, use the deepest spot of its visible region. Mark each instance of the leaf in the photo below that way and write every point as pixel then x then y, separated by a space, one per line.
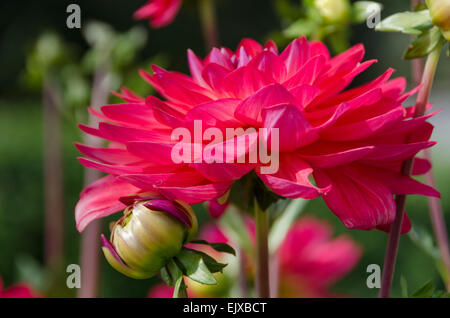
pixel 194 267
pixel 426 291
pixel 423 44
pixel 404 286
pixel 283 223
pixel 170 273
pixel 406 22
pixel 301 27
pixel 362 10
pixel 235 227
pixel 165 276
pixel 180 288
pixel 219 247
pixel 213 265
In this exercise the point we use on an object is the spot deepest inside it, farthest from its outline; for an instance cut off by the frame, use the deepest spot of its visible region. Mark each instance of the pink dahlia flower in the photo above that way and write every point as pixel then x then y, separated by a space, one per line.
pixel 17 291
pixel 352 142
pixel 159 12
pixel 309 261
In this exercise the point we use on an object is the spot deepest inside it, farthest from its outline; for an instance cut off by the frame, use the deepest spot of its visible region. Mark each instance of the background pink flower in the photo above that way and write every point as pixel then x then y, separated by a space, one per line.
pixel 159 12
pixel 20 290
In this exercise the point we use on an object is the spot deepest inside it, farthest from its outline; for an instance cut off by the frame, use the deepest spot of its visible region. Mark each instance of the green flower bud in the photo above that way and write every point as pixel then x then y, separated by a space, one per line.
pixel 440 13
pixel 148 235
pixel 334 11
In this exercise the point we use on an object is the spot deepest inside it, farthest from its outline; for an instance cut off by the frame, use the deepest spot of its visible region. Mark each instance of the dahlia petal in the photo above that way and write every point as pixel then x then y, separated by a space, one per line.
pixel 330 158
pixel 271 46
pixel 112 169
pixel 318 48
pixel 216 113
pixel 295 55
pixel 216 210
pixel 176 88
pixel 170 179
pixel 358 200
pixel 294 130
pixel 397 152
pixel 154 152
pixel 125 134
pixel 249 111
pixel 244 81
pixel 90 130
pixel 305 94
pixel 213 74
pixel 291 180
pixel 132 115
pixel 164 113
pixel 406 225
pixel 346 61
pixel 420 166
pixel 308 73
pixel 221 172
pixel 196 67
pixel 360 130
pixel 250 46
pixel 100 199
pixel 401 184
pixel 218 57
pixel 195 194
pixel 129 96
pixel 108 155
pixel 270 63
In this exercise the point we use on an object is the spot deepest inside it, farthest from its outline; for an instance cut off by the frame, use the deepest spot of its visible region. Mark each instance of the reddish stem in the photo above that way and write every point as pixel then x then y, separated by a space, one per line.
pixel 395 230
pixel 90 239
pixel 53 174
pixel 209 25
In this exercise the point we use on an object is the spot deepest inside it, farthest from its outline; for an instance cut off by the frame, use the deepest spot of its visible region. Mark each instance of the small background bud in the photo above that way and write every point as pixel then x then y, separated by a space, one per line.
pixel 334 11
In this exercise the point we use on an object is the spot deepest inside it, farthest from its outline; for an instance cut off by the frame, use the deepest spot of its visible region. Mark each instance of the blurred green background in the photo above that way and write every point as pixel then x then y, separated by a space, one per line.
pixel 21 151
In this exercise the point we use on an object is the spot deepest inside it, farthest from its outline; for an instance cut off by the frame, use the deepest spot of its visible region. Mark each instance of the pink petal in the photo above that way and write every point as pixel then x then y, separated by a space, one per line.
pixel 101 199
pixel 295 55
pixel 294 130
pixel 249 111
pixel 291 180
pixel 195 194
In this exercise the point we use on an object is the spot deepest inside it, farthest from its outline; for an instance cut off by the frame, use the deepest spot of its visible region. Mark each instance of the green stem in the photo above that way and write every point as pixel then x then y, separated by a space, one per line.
pixel 262 285
pixel 209 25
pixel 395 231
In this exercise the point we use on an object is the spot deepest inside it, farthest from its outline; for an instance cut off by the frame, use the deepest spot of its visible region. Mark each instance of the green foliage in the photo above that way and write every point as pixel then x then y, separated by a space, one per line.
pixel 425 43
pixel 219 247
pixel 406 22
pixel 417 22
pixel 428 290
pixel 323 20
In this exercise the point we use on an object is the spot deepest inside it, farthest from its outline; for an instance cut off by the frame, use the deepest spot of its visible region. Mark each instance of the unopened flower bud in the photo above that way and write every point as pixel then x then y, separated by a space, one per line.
pixel 148 235
pixel 334 11
pixel 440 13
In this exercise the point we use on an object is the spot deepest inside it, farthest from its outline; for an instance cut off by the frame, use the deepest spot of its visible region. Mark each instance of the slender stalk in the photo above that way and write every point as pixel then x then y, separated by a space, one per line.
pixel 90 242
pixel 209 25
pixel 394 235
pixel 53 174
pixel 438 222
pixel 242 273
pixel 262 285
